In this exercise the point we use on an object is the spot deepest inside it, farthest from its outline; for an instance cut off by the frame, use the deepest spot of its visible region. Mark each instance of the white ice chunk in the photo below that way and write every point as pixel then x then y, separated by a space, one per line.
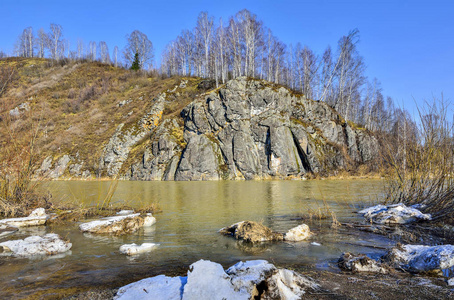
pixel 133 249
pixel 207 280
pixel 37 217
pixel 94 225
pixel 125 212
pixel 48 244
pixel 289 285
pixel 393 214
pixel 158 288
pixel 245 275
pixel 418 258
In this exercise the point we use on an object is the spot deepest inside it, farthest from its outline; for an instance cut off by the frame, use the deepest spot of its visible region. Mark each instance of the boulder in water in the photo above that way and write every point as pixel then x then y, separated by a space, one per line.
pixel 250 231
pixel 298 233
pixel 120 224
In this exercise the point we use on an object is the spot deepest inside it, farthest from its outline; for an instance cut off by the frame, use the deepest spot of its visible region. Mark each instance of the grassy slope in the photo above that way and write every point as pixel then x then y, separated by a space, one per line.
pixel 76 105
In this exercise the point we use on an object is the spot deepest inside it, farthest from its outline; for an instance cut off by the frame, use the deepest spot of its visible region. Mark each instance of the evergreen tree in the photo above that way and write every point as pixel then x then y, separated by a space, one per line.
pixel 136 64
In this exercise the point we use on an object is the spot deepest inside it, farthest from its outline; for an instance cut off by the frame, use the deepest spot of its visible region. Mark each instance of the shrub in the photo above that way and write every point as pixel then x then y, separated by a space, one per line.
pixel 422 163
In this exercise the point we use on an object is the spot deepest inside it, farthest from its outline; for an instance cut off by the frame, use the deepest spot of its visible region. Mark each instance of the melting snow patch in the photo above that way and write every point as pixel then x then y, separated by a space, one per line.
pixel 133 249
pixel 159 288
pixel 417 258
pixel 393 214
pixel 208 280
pixel 48 244
pixel 245 275
pixel 451 281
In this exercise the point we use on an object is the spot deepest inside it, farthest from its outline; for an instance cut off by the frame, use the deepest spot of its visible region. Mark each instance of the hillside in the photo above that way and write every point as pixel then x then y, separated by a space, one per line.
pixel 95 120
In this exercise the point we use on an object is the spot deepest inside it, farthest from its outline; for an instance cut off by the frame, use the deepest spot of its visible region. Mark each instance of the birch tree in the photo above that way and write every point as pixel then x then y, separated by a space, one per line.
pixel 115 56
pixel 138 42
pixel 104 52
pixel 55 40
pixel 204 30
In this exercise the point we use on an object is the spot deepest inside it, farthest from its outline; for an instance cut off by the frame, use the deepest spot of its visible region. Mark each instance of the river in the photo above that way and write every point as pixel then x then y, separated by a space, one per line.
pixel 186 231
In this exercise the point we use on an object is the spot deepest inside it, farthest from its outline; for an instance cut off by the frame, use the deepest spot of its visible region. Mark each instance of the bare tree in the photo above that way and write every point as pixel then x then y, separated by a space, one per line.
pixel 80 49
pixel 42 42
pixel 115 56
pixel 92 51
pixel 138 43
pixel 104 52
pixel 204 30
pixel 55 40
pixel 25 43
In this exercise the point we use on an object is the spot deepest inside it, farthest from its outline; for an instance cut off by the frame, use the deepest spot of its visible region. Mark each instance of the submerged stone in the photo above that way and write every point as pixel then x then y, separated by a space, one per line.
pixel 120 224
pixel 360 263
pixel 393 214
pixel 250 231
pixel 133 249
pixel 418 258
pixel 48 244
pixel 37 217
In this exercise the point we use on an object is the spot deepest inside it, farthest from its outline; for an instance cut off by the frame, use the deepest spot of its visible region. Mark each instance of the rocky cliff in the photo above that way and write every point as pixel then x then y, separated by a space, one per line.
pixel 246 129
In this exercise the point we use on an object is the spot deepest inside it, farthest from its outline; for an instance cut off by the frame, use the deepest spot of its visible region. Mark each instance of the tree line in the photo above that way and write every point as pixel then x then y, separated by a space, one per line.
pixel 53 45
pixel 242 46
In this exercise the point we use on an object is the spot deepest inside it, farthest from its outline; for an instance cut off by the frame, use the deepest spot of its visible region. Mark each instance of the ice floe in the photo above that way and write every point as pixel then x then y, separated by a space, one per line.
pixel 37 217
pixel 393 214
pixel 133 249
pixel 418 258
pixel 48 244
pixel 120 224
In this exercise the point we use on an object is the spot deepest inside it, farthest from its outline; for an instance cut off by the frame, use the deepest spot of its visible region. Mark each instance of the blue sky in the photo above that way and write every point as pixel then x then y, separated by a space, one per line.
pixel 407 45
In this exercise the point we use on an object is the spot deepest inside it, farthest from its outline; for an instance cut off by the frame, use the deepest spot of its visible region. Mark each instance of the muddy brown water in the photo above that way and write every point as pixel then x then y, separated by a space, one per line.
pixel 186 231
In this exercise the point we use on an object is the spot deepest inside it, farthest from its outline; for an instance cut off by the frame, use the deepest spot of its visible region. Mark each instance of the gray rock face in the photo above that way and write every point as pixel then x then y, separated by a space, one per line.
pixel 247 129
pixel 126 136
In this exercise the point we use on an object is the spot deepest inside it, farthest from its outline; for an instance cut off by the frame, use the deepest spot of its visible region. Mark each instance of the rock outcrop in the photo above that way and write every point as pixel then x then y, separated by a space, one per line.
pixel 246 129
